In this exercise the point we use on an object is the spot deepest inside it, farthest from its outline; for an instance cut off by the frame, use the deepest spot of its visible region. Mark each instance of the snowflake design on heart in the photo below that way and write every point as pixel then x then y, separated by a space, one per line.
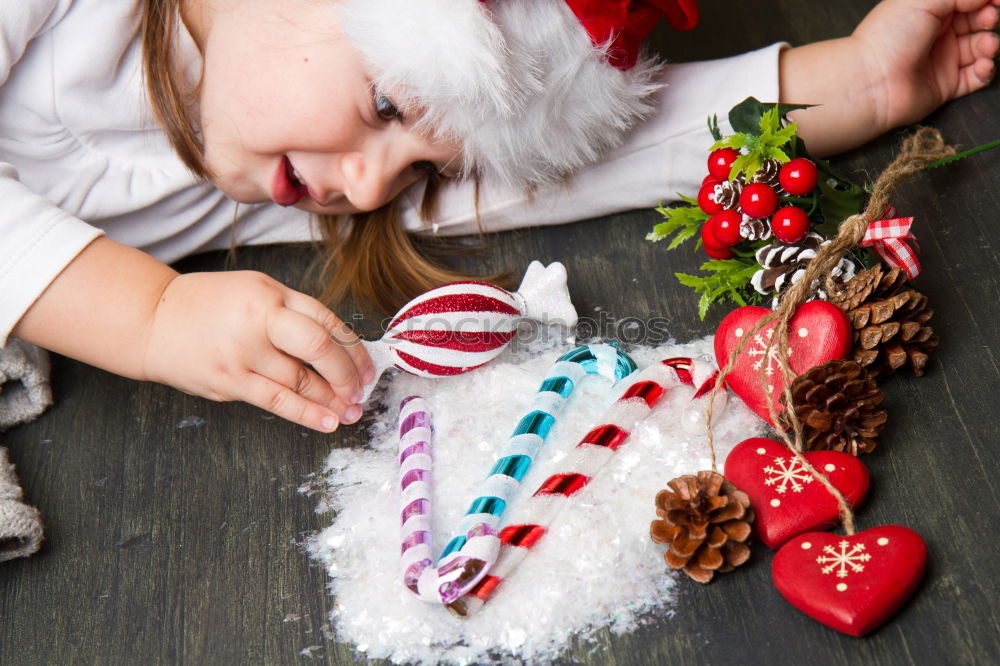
pixel 762 351
pixel 787 473
pixel 843 560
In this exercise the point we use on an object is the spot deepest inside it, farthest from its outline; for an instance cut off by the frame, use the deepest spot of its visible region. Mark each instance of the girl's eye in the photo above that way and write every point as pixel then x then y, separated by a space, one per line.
pixel 423 166
pixel 385 108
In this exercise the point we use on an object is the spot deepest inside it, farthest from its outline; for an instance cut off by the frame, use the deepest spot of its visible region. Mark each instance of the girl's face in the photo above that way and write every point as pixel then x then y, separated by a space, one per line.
pixel 288 113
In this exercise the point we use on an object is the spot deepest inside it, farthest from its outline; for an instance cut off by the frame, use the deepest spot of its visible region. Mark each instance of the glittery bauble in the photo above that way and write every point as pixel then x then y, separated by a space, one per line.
pixel 461 326
pixel 453 329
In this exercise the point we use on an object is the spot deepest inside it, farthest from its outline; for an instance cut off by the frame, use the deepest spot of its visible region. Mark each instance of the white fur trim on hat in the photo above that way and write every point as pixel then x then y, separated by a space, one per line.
pixel 517 81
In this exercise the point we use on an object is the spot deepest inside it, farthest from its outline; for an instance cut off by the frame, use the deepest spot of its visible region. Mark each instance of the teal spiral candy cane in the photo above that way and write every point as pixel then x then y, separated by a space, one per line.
pixel 468 556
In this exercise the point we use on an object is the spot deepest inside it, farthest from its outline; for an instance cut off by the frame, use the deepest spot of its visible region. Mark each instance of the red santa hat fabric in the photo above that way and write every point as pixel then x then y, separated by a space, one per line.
pixel 619 26
pixel 534 89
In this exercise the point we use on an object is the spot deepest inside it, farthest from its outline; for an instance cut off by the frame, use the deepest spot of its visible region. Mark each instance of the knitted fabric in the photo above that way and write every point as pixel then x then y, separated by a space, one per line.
pixel 24 383
pixel 24 394
pixel 20 524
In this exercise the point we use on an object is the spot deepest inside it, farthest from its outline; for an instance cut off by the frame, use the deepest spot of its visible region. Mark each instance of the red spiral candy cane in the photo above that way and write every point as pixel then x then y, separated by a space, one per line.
pixel 591 455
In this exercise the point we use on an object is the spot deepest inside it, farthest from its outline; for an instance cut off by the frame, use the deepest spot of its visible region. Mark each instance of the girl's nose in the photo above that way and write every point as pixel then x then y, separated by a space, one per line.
pixel 374 175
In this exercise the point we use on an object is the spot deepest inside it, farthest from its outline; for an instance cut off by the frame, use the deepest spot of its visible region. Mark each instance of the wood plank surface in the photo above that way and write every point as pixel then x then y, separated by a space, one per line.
pixel 171 544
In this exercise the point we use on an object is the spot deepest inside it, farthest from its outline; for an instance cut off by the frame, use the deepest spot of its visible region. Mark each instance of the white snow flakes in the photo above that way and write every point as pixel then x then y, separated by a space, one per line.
pixel 849 559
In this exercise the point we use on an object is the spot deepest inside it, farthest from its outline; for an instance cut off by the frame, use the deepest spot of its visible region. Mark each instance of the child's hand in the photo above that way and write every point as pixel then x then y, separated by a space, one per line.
pixel 244 336
pixel 927 52
pixel 905 59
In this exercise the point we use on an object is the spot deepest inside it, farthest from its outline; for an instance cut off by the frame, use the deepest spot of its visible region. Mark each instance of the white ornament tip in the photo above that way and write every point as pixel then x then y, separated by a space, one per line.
pixel 546 294
pixel 381 355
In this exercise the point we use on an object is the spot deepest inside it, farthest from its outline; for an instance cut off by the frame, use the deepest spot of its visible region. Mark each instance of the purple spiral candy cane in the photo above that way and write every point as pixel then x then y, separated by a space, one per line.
pixel 473 549
pixel 415 434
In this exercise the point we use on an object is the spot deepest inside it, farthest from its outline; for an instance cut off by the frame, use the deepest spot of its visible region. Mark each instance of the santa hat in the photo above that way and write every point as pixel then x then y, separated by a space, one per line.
pixel 534 89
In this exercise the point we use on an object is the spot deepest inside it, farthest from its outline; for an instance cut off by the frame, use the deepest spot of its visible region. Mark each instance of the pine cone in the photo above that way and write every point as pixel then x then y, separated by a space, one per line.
pixel 889 320
pixel 838 404
pixel 727 193
pixel 870 282
pixel 783 265
pixel 706 522
pixel 755 228
pixel 768 174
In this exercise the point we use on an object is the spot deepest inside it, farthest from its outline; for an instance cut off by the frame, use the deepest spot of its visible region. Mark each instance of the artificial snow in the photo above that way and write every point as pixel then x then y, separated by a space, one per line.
pixel 596 568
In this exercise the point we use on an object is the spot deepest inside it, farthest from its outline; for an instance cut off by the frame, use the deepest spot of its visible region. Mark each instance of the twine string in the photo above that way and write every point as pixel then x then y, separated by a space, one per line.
pixel 917 151
pixel 721 380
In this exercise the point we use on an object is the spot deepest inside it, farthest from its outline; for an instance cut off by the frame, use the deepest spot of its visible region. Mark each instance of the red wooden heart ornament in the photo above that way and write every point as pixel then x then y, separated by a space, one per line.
pixel 850 583
pixel 786 498
pixel 818 332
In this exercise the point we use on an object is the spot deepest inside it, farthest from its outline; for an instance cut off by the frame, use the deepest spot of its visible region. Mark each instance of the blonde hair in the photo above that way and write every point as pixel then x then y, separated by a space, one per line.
pixel 371 257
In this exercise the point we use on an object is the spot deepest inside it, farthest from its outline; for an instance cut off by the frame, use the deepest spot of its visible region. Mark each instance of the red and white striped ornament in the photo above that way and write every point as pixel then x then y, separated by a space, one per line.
pixel 461 326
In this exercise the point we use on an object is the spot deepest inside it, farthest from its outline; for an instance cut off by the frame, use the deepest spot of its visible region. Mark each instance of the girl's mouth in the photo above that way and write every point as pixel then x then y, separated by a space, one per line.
pixel 287 187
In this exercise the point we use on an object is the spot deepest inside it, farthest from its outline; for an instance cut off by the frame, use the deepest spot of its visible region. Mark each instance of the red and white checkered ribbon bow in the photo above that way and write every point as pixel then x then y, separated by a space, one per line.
pixel 887 237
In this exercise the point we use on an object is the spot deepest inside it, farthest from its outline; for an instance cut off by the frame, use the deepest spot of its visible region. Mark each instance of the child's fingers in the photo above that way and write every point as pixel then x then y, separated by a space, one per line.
pixel 340 332
pixel 358 353
pixel 960 6
pixel 292 373
pixel 988 17
pixel 304 338
pixel 975 76
pixel 282 401
pixel 984 18
pixel 976 46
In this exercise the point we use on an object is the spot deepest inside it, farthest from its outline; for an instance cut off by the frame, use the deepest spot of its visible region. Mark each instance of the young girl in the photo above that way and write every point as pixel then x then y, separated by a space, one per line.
pixel 129 128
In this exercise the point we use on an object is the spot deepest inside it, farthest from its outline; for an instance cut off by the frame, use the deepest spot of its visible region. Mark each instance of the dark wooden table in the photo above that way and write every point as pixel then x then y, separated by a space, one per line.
pixel 182 544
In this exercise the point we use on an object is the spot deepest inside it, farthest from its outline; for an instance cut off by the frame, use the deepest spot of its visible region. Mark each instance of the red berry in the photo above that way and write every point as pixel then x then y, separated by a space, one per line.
pixel 720 161
pixel 724 253
pixel 790 224
pixel 712 178
pixel 706 198
pixel 724 227
pixel 758 200
pixel 798 176
pixel 710 241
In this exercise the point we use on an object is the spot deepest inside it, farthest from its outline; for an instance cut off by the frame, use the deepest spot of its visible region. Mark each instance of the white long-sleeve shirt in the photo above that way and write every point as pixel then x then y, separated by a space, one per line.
pixel 81 154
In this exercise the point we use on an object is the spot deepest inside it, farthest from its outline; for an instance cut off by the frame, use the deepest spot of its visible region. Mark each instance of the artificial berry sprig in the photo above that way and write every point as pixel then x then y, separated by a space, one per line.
pixel 761 185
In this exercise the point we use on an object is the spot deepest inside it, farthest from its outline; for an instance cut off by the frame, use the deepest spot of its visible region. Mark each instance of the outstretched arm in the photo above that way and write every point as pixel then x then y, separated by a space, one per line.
pixel 905 59
pixel 224 336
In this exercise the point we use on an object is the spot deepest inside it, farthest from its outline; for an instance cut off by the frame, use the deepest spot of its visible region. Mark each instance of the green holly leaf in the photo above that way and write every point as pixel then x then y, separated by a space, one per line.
pixel 838 200
pixel 745 117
